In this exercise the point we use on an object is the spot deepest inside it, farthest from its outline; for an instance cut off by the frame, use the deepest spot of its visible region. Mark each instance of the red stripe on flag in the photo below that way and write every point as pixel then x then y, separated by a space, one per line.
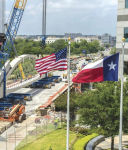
pixel 59 65
pixel 89 75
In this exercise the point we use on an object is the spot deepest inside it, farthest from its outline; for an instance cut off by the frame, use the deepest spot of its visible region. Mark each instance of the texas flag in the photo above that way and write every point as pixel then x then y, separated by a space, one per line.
pixel 105 69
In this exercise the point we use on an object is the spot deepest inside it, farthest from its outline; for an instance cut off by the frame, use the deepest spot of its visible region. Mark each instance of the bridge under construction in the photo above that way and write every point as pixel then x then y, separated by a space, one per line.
pixel 8 32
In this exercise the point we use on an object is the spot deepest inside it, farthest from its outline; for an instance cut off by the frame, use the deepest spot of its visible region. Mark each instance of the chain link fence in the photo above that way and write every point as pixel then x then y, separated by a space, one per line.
pixel 33 132
pixel 19 135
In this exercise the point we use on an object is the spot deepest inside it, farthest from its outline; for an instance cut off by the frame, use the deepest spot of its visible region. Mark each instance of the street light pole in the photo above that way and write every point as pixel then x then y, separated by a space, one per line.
pixel 68 94
pixel 121 96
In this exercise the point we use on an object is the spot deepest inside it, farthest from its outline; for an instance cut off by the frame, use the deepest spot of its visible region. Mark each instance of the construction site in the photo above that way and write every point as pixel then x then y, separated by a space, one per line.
pixel 26 99
pixel 52 92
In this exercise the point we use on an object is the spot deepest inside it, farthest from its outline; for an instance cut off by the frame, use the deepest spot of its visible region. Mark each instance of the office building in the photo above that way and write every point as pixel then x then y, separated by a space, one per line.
pixel 122 31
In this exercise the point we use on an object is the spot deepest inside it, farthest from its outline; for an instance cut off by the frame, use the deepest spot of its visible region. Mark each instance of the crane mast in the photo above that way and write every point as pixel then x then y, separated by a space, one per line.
pixel 44 22
pixel 2 15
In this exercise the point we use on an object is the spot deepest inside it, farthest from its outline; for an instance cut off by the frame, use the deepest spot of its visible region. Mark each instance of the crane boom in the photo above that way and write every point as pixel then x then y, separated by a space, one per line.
pixel 14 22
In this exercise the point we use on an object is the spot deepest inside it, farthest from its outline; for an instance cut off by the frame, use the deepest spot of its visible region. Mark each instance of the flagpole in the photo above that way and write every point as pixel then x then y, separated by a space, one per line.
pixel 121 96
pixel 68 94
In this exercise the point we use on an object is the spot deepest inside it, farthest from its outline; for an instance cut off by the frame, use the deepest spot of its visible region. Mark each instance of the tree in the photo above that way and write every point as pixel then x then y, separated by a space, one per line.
pixel 61 104
pixel 94 46
pixel 113 50
pixel 107 45
pixel 26 46
pixel 101 108
pixel 58 45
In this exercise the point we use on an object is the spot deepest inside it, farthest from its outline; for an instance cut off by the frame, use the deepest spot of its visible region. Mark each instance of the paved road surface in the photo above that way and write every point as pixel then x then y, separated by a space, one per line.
pixel 107 143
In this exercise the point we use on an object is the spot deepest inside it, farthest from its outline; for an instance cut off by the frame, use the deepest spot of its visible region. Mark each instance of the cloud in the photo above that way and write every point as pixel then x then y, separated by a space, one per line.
pixel 86 16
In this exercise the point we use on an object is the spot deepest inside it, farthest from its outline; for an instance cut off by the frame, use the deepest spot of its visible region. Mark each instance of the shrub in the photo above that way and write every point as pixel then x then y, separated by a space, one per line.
pixel 80 144
pixel 80 130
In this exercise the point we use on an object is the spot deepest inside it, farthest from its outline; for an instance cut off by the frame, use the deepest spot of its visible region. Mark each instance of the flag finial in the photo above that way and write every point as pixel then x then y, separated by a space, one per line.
pixel 123 39
pixel 69 38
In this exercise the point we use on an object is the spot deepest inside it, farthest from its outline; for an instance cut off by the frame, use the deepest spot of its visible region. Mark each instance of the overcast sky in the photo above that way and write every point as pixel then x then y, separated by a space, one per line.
pixel 84 16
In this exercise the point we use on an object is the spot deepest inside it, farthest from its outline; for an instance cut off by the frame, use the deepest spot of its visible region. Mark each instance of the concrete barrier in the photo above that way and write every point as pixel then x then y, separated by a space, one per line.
pixel 95 141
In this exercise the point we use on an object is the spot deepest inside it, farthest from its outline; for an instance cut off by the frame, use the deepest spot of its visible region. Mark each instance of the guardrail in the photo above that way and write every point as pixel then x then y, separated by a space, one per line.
pixel 95 141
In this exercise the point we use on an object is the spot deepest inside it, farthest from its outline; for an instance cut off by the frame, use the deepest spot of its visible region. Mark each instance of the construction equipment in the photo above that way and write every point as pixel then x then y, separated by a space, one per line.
pixel 12 29
pixel 16 113
pixel 41 111
pixel 14 22
pixel 8 44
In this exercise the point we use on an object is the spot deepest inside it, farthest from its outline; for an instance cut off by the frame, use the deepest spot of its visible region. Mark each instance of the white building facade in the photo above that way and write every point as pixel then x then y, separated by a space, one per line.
pixel 88 39
pixel 122 31
pixel 51 39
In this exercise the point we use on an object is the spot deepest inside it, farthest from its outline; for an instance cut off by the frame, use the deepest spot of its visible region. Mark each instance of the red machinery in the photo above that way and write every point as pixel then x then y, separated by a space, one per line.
pixel 16 113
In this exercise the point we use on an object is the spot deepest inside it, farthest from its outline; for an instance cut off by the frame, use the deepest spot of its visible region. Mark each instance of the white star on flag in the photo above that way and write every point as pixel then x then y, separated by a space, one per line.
pixel 112 66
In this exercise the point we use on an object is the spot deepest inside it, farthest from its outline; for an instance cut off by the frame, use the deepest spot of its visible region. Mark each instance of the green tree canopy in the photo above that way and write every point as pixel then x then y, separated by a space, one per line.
pixel 25 46
pixel 101 108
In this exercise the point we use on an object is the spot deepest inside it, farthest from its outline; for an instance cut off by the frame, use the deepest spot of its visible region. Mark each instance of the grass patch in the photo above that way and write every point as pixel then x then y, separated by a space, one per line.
pixel 36 134
pixel 80 144
pixel 56 140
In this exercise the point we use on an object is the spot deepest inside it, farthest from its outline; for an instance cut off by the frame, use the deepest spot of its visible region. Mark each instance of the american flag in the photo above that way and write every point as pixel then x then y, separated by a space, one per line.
pixel 56 61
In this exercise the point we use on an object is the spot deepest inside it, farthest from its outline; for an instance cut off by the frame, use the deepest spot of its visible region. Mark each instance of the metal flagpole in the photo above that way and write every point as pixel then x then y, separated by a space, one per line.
pixel 121 96
pixel 68 95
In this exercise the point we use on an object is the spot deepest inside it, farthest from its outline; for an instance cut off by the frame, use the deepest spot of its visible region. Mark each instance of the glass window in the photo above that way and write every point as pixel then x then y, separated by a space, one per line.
pixel 126 33
pixel 126 68
pixel 126 3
